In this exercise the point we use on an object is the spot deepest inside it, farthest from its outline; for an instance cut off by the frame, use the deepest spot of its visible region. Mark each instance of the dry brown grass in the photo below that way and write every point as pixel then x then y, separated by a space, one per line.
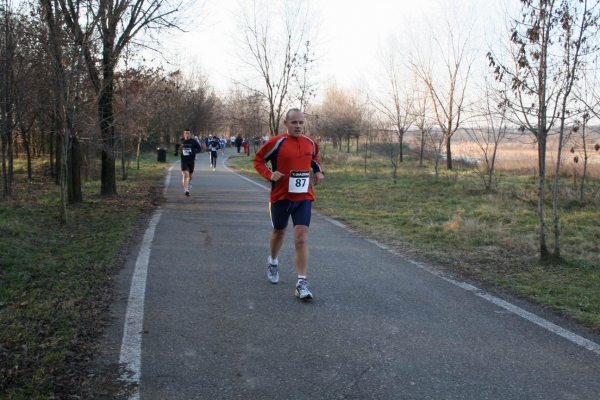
pixel 522 158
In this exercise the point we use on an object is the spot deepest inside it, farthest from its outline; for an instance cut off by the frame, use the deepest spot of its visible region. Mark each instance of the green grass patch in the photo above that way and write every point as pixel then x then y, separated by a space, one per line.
pixel 55 280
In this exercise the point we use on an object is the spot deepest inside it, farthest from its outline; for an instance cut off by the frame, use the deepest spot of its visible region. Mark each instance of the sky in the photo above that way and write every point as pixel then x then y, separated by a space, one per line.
pixel 348 34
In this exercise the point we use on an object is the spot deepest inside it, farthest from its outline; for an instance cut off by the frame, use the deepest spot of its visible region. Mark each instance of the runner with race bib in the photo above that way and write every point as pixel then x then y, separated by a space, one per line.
pixel 292 155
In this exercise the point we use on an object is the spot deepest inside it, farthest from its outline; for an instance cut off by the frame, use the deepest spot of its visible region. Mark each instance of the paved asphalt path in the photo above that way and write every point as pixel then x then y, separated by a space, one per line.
pixel 379 327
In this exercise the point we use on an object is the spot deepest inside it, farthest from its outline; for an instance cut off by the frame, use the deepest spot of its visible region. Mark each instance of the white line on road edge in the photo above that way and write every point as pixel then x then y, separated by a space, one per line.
pixel 588 344
pixel 131 345
pixel 573 337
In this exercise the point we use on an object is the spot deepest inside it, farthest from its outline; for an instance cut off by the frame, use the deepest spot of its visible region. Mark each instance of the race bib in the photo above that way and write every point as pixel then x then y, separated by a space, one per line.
pixel 186 151
pixel 299 181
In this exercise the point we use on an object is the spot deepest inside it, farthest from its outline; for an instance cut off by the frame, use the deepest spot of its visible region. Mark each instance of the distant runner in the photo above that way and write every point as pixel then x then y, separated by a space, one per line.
pixel 189 148
pixel 223 143
pixel 213 146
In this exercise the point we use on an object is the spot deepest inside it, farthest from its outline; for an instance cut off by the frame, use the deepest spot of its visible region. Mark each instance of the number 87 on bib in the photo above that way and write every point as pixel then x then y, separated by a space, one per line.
pixel 299 181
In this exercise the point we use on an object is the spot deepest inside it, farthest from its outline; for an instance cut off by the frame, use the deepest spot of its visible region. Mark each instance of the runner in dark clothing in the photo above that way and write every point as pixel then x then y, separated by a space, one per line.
pixel 214 147
pixel 189 148
pixel 207 141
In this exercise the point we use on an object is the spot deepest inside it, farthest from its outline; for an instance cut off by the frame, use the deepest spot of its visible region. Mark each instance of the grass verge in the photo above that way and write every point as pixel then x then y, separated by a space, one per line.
pixel 56 280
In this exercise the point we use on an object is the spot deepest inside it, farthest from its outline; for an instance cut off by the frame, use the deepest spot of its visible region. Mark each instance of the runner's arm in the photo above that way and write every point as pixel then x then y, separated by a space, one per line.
pixel 260 163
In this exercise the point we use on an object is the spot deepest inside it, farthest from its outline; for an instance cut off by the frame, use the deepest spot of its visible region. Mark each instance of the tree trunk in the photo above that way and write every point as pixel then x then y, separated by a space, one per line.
pixel 544 252
pixel 123 160
pixel 26 144
pixel 57 156
pixel 5 191
pixel 63 180
pixel 51 157
pixel 542 134
pixel 137 153
pixel 492 166
pixel 401 151
pixel 6 88
pixel 422 149
pixel 11 167
pixel 107 129
pixel 585 166
pixel 448 152
pixel 74 173
pixel 555 192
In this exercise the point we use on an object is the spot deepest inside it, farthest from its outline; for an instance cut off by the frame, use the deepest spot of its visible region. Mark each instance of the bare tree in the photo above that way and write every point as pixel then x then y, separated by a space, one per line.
pixel 583 149
pixel 580 25
pixel 63 95
pixel 445 68
pixel 422 120
pixel 305 89
pixel 544 48
pixel 33 86
pixel 246 114
pixel 434 147
pixel 134 87
pixel 114 23
pixel 271 37
pixel 8 45
pixel 587 94
pixel 167 106
pixel 340 116
pixel 370 130
pixel 490 131
pixel 398 95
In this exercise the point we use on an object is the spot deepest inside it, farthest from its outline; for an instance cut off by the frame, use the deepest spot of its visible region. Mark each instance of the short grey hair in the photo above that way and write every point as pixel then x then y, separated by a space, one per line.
pixel 291 110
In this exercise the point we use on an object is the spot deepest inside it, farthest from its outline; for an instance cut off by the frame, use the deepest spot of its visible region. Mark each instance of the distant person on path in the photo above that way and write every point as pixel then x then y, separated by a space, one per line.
pixel 189 148
pixel 292 155
pixel 232 142
pixel 213 146
pixel 238 142
pixel 199 143
pixel 207 143
pixel 223 143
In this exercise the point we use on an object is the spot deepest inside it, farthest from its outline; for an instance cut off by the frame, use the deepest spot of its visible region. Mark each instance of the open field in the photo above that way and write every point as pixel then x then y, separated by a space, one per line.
pixel 519 155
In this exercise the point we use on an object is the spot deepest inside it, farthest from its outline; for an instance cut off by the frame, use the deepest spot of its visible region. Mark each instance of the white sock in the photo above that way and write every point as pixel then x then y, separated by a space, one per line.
pixel 273 262
pixel 301 278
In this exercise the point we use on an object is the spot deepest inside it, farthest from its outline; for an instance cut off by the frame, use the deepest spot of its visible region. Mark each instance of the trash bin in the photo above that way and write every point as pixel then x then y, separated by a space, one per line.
pixel 162 154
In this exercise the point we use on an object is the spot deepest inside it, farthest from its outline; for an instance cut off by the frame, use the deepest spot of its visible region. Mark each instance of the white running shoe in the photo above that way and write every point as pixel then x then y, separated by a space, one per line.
pixel 273 273
pixel 302 291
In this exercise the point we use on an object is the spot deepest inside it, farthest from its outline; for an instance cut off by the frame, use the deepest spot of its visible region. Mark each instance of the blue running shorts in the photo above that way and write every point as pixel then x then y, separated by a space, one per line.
pixel 281 211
